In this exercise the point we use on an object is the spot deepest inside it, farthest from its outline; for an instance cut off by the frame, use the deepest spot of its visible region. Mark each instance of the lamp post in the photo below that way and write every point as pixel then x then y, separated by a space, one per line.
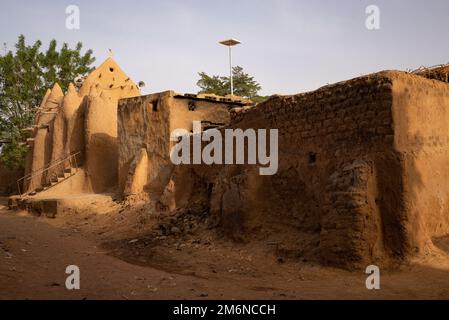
pixel 230 43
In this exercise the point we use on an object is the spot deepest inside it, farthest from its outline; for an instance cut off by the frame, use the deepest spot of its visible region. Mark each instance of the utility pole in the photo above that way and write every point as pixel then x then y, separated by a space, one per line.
pixel 230 43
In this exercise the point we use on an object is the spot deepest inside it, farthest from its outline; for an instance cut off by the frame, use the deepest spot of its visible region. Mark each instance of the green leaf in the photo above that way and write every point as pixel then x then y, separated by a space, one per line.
pixel 244 85
pixel 25 75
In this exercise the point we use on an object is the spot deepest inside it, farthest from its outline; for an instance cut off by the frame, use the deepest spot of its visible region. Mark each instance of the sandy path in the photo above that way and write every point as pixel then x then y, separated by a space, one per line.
pixel 34 255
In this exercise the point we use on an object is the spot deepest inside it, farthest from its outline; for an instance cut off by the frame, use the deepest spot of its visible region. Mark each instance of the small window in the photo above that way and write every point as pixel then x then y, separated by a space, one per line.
pixel 192 106
pixel 312 158
pixel 154 106
pixel 210 188
pixel 111 69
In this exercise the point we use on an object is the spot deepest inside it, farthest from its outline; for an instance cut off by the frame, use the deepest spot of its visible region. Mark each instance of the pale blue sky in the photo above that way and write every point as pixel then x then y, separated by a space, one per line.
pixel 289 46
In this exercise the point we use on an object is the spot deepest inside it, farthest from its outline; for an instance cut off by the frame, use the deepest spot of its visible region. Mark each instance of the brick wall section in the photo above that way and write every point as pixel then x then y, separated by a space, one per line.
pixel 362 168
pixel 361 178
pixel 342 117
pixel 331 141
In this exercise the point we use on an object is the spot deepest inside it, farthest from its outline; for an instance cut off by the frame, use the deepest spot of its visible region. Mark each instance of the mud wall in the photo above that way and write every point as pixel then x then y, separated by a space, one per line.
pixel 421 114
pixel 335 149
pixel 108 84
pixel 101 145
pixel 333 145
pixel 82 122
pixel 143 127
pixel 43 134
pixel 362 174
pixel 145 124
pixel 185 111
pixel 361 178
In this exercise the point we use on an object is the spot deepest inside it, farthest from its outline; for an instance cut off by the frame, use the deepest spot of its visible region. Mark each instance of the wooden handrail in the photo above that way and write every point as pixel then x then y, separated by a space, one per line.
pixel 48 167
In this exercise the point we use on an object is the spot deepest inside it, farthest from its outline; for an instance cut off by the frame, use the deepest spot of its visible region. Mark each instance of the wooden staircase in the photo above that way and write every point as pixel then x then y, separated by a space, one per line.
pixel 52 174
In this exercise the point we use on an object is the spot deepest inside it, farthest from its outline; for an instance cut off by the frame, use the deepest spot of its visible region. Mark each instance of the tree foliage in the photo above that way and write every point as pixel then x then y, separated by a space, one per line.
pixel 244 84
pixel 25 74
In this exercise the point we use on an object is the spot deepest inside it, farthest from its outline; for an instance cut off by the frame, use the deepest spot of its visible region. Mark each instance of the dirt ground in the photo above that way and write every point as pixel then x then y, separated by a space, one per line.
pixel 121 255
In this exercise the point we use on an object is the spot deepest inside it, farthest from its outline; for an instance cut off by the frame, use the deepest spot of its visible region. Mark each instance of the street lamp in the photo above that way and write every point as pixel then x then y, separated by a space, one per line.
pixel 230 43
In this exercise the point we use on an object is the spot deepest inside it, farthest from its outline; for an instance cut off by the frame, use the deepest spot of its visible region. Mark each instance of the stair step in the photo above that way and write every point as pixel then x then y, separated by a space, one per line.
pixel 54 181
pixel 52 171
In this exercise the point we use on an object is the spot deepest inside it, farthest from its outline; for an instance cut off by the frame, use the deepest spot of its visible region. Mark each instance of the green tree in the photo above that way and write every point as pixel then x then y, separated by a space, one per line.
pixel 212 84
pixel 244 85
pixel 25 74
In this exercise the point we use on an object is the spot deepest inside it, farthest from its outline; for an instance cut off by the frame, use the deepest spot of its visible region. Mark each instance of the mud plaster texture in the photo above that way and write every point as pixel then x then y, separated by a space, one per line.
pixel 362 169
pixel 145 124
pixel 83 122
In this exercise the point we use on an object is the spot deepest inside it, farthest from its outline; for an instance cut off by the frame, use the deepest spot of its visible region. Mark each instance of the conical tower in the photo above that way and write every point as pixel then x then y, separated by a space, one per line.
pixel 82 122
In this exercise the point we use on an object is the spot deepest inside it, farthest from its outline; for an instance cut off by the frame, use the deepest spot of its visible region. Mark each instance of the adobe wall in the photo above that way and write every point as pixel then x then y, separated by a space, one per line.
pixel 64 140
pixel 107 85
pixel 361 178
pixel 362 175
pixel 182 118
pixel 143 127
pixel 145 124
pixel 42 144
pixel 100 138
pixel 335 145
pixel 421 116
pixel 82 122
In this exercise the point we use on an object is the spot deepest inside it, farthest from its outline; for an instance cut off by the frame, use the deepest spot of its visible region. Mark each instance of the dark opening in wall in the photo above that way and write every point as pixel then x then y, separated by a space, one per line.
pixel 192 106
pixel 111 69
pixel 210 188
pixel 312 158
pixel 154 106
